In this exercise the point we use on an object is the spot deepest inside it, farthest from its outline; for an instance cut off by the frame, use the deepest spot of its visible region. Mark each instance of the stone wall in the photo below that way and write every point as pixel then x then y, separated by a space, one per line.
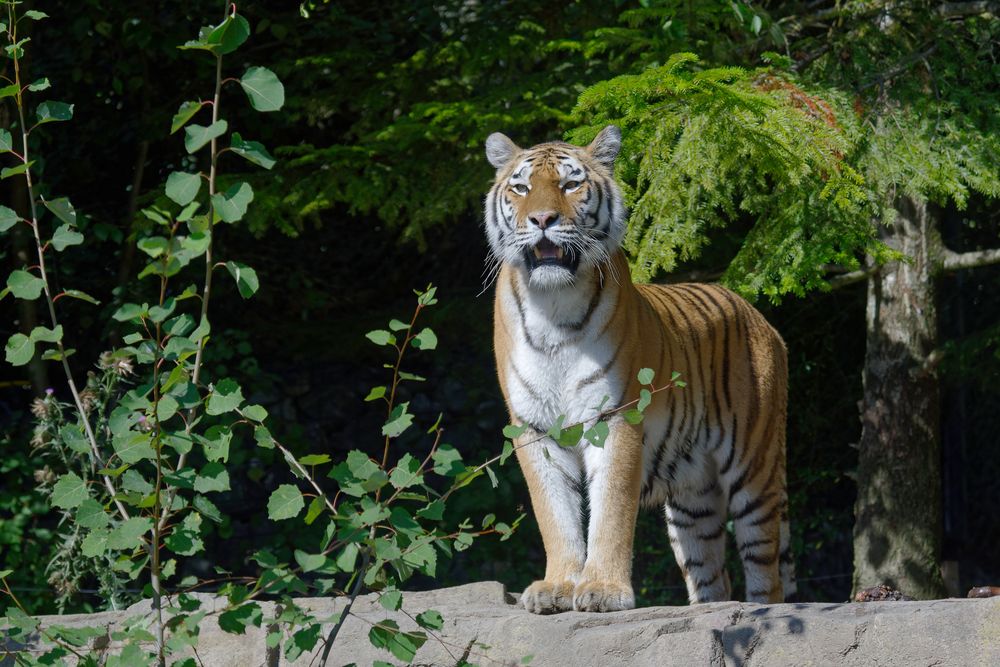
pixel 484 625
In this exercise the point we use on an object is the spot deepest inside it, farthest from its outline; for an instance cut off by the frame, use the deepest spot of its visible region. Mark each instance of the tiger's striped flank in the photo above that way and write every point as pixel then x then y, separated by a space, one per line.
pixel 571 331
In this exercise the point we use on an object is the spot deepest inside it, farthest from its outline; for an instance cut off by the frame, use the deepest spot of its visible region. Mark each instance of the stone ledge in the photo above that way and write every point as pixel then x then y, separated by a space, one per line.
pixel 484 625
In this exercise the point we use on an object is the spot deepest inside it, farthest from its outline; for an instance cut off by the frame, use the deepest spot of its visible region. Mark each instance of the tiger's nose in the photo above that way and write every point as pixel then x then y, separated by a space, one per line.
pixel 543 219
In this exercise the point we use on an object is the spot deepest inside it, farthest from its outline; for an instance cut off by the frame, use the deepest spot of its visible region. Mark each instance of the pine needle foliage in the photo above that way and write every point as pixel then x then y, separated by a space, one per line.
pixel 707 147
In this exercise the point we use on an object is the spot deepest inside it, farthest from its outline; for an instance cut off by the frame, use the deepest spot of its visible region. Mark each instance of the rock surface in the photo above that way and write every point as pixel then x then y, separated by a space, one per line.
pixel 484 625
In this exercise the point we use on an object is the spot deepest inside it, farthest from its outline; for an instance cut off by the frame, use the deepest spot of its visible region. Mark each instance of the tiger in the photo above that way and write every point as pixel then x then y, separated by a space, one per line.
pixel 571 330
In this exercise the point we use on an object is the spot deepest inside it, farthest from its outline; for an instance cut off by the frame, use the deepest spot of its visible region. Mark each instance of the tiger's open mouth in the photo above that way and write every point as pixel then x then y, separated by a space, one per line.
pixel 547 253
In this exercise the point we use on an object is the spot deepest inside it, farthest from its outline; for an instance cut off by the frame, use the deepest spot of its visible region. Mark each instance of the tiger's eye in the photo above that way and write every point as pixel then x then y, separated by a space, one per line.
pixel 519 188
pixel 571 185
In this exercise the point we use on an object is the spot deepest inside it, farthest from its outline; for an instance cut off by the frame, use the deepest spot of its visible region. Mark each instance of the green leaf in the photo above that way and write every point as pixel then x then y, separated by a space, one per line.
pixel 72 436
pixel 511 431
pixel 216 443
pixel 646 376
pixel 391 600
pixel 433 511
pixel 185 113
pixel 185 539
pixel 399 420
pixel 166 408
pixel 396 325
pixel 236 621
pixel 226 397
pixel 566 437
pixel 62 209
pixel 196 136
pixel 41 84
pixel 213 477
pixel 159 313
pixel 94 544
pixel 447 461
pixel 69 492
pixel 229 35
pixel 309 562
pixel 508 449
pixel 50 112
pixel 430 619
pixel 406 473
pixel 82 296
pixel 314 459
pixel 7 172
pixel 25 285
pixel 315 509
pixel 8 218
pixel 65 237
pixel 154 246
pixel 597 434
pixel 285 503
pixel 35 15
pixel 255 413
pixel 6 141
pixel 376 393
pixel 19 349
pixel 633 416
pixel 232 204
pixel 45 335
pixel 207 508
pixel 425 340
pixel 9 91
pixel 129 533
pixel 245 277
pixel 263 89
pixel 130 311
pixel 253 151
pixel 183 187
pixel 347 558
pixel 403 645
pixel 133 446
pixel 381 337
pixel 645 398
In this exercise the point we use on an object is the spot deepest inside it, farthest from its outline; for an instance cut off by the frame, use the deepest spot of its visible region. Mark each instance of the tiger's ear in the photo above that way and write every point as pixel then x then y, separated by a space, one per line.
pixel 500 149
pixel 606 145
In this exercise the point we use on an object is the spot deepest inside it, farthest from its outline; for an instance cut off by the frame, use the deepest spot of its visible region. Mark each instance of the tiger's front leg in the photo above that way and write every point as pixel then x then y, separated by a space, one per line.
pixel 614 476
pixel 554 482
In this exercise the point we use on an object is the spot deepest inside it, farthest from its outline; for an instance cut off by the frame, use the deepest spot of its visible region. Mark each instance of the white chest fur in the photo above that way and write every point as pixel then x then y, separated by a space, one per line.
pixel 561 354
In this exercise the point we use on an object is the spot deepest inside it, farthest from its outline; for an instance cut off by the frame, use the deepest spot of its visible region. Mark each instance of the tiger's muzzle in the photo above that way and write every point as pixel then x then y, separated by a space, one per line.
pixel 545 253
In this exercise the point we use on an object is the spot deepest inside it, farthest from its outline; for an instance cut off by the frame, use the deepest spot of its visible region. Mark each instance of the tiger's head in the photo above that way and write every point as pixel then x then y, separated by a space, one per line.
pixel 554 209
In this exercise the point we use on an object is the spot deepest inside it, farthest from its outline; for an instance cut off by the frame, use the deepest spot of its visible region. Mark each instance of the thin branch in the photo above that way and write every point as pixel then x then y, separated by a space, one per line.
pixel 50 301
pixel 851 277
pixel 696 276
pixel 961 10
pixel 898 68
pixel 347 609
pixel 953 261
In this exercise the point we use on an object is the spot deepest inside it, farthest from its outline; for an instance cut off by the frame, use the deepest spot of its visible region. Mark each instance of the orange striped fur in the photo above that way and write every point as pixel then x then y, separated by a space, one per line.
pixel 571 332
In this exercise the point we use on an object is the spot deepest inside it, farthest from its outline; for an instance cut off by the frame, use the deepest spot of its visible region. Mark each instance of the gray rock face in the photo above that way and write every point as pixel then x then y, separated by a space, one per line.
pixel 484 625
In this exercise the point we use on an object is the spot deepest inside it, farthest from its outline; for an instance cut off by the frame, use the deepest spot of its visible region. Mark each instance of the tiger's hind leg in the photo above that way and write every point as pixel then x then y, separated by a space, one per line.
pixel 786 566
pixel 757 505
pixel 696 524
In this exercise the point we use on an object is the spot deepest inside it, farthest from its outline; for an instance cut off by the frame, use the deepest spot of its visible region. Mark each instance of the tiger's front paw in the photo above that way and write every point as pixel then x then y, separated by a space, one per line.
pixel 544 597
pixel 602 596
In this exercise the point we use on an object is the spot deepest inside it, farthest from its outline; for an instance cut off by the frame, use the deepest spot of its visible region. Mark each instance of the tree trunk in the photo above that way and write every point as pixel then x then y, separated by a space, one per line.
pixel 897 532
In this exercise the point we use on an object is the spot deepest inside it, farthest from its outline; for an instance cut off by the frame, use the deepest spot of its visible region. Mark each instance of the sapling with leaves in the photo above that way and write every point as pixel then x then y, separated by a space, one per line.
pixel 143 446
